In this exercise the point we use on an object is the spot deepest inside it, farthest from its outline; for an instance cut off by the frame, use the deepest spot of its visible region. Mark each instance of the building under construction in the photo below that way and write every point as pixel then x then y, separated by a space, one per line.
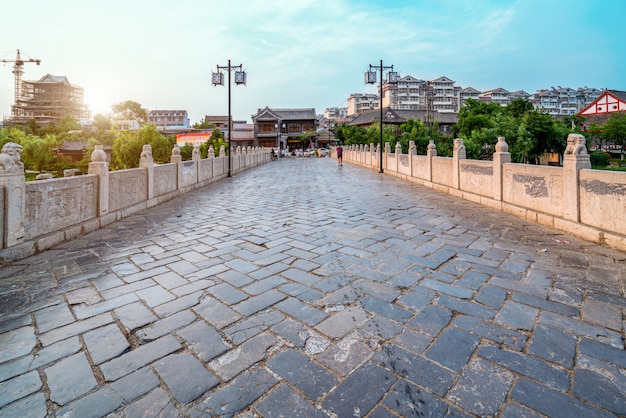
pixel 47 100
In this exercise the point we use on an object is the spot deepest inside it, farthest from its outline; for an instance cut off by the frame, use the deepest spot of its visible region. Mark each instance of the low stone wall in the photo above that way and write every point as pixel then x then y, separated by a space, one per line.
pixel 590 204
pixel 35 216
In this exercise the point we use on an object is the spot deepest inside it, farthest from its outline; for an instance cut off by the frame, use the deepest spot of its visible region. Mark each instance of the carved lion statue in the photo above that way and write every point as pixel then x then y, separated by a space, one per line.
pixel 146 151
pixel 10 157
pixel 576 144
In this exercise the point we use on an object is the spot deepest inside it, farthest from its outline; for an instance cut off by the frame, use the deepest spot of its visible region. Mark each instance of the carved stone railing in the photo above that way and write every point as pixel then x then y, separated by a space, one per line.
pixel 37 215
pixel 576 199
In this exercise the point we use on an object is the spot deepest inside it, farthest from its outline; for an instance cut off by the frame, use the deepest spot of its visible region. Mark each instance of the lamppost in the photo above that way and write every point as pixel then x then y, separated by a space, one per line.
pixel 370 78
pixel 218 79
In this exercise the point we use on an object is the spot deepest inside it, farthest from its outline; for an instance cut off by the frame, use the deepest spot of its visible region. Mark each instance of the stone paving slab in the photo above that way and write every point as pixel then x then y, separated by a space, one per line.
pixel 303 289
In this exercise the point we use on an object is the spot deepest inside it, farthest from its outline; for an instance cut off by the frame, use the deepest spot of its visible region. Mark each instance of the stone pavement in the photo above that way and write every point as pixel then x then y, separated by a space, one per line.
pixel 301 289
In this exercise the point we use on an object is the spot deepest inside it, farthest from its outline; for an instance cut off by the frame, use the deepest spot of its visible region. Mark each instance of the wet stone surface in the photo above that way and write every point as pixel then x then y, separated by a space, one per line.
pixel 334 292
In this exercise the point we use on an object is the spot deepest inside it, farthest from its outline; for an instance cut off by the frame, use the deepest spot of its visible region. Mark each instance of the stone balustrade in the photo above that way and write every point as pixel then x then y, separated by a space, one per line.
pixel 37 215
pixel 587 203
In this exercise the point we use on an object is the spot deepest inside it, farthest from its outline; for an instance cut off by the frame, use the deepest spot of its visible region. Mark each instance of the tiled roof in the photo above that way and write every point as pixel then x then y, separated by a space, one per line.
pixel 285 114
pixel 619 94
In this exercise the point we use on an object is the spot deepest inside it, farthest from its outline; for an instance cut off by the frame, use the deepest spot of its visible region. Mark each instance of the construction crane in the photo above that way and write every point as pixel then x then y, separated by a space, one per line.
pixel 18 71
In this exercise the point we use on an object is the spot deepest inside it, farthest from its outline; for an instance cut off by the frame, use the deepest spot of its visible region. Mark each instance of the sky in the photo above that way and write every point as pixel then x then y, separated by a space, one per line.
pixel 305 53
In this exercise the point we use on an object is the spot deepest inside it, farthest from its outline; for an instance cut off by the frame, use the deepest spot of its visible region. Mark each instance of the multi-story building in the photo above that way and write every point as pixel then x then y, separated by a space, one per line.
pixel 519 94
pixel 335 113
pixel 361 102
pixel 445 95
pixel 406 94
pixel 220 122
pixel 568 102
pixel 546 101
pixel 441 95
pixel 410 93
pixel 468 93
pixel 332 116
pixel 48 99
pixel 497 95
pixel 283 128
pixel 169 119
pixel 586 96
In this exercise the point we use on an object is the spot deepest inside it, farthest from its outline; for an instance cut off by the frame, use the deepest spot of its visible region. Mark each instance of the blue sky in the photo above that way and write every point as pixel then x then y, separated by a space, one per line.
pixel 305 53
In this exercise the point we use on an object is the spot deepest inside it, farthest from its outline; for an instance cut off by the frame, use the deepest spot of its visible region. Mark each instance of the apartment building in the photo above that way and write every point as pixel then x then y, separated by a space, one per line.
pixel 498 95
pixel 361 102
pixel 169 119
pixel 443 96
pixel 406 94
pixel 468 93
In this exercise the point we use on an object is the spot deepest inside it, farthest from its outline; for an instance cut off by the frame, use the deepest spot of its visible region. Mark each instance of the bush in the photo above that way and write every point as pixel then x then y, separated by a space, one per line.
pixel 600 159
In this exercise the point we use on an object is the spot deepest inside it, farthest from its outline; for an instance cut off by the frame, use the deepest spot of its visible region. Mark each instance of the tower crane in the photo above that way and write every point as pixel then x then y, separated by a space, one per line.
pixel 18 71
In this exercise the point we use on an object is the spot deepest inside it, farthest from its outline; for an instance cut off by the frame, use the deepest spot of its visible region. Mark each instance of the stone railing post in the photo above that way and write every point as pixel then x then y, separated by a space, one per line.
pixel 100 167
pixel 387 151
pixel 398 153
pixel 500 157
pixel 431 152
pixel 146 161
pixel 412 152
pixel 372 156
pixel 458 153
pixel 177 159
pixel 14 183
pixel 575 158
pixel 377 156
pixel 195 157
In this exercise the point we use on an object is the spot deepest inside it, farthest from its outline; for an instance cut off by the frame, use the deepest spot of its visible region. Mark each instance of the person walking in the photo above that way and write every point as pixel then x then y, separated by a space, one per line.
pixel 340 155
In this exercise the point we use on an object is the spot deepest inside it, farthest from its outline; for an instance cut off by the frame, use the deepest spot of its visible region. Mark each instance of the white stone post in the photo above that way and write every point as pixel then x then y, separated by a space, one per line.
pixel 575 158
pixel 13 182
pixel 177 159
pixel 430 153
pixel 146 161
pixel 195 157
pixel 412 152
pixel 500 157
pixel 387 151
pixel 458 153
pixel 398 153
pixel 100 167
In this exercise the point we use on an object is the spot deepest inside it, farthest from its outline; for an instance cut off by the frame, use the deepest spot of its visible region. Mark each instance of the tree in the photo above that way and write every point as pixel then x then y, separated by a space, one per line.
pixel 518 107
pixel 130 110
pixel 101 122
pixel 127 148
pixel 614 130
pixel 203 125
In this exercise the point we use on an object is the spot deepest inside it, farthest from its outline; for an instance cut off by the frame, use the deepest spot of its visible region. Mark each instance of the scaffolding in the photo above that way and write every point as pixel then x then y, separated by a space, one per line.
pixel 48 99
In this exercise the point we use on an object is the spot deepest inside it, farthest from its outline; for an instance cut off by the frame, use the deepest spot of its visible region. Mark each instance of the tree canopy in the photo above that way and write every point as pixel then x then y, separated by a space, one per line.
pixel 130 110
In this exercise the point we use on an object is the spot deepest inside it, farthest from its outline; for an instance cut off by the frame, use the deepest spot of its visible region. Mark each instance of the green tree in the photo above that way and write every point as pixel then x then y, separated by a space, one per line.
pixel 350 134
pixel 203 124
pixel 127 148
pixel 518 107
pixel 101 122
pixel 614 130
pixel 130 110
pixel 161 144
pixel 217 141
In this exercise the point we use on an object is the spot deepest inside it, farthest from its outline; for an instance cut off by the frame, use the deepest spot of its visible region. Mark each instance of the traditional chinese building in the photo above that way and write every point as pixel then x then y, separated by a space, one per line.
pixel 283 128
pixel 48 99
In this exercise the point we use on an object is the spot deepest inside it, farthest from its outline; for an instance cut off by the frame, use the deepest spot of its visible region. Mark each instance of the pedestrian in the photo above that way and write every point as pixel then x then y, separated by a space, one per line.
pixel 340 155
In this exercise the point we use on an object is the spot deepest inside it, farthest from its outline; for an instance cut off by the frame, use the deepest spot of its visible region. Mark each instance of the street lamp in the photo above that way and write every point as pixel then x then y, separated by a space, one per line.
pixel 218 79
pixel 370 78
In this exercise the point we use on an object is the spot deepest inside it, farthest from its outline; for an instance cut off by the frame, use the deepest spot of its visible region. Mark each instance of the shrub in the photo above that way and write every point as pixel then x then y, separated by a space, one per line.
pixel 600 159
